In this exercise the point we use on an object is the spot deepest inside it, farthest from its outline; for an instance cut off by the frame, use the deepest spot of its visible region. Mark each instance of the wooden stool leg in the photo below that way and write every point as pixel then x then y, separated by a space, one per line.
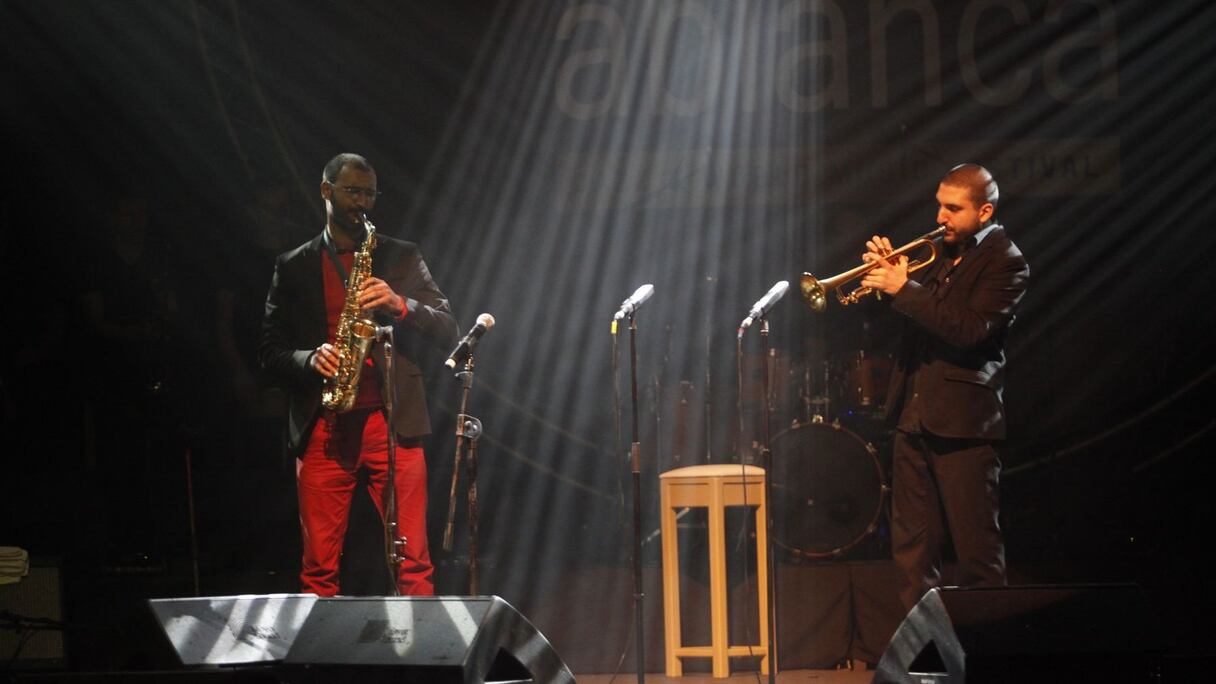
pixel 671 583
pixel 766 661
pixel 717 581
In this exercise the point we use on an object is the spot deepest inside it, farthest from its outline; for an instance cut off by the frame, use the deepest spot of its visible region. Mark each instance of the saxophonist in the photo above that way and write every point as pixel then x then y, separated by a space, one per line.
pixel 304 308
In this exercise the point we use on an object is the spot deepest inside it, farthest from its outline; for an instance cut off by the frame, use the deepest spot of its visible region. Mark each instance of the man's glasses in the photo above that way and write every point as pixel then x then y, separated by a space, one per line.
pixel 353 191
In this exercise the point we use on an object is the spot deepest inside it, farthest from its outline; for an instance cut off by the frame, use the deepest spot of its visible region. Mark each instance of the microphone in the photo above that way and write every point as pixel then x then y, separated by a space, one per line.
pixel 766 302
pixel 484 322
pixel 635 300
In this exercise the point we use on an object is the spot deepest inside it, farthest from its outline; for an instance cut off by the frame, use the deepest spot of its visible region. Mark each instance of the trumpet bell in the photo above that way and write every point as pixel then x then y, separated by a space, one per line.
pixel 813 292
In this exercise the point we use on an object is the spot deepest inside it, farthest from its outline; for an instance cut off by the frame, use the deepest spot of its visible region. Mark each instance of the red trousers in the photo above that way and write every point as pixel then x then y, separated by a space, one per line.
pixel 325 479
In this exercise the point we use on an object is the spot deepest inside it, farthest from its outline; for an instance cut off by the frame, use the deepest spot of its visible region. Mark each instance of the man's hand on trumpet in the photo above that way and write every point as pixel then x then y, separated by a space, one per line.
pixel 888 275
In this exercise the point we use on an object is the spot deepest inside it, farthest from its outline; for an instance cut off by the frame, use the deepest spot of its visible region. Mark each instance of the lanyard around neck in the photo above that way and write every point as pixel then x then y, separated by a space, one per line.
pixel 333 255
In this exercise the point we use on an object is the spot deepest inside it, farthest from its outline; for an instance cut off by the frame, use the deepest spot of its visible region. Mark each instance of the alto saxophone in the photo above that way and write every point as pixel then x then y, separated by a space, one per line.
pixel 356 333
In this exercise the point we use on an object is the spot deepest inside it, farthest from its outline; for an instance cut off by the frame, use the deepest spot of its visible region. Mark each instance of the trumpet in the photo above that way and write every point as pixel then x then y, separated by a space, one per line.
pixel 815 291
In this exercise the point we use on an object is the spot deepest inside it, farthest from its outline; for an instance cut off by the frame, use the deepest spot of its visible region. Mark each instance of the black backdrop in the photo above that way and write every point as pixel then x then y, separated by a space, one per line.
pixel 550 157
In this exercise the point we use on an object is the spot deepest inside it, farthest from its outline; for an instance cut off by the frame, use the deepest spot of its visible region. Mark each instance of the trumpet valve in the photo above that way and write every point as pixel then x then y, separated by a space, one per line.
pixel 853 297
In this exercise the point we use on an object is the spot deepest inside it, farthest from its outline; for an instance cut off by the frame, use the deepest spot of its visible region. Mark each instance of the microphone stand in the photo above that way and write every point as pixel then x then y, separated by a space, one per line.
pixel 392 542
pixel 766 462
pixel 635 451
pixel 468 429
pixel 766 457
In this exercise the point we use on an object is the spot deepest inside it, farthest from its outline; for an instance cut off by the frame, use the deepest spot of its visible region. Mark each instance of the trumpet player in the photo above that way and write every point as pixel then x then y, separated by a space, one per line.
pixel 945 396
pixel 305 307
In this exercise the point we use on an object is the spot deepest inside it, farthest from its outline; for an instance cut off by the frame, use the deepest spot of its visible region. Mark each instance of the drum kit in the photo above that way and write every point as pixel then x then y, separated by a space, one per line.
pixel 829 486
pixel 829 483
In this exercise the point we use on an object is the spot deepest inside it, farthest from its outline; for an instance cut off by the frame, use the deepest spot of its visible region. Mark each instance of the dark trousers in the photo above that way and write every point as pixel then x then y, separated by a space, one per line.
pixel 945 486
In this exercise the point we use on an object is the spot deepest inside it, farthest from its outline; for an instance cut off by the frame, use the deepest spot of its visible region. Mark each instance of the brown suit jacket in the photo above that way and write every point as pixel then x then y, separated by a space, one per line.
pixel 294 325
pixel 962 331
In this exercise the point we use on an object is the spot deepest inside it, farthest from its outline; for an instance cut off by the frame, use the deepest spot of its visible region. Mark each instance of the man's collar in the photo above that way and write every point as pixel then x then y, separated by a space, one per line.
pixel 979 237
pixel 973 241
pixel 328 239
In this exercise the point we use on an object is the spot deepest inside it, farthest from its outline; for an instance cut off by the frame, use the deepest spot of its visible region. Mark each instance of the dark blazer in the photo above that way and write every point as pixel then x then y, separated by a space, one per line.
pixel 294 325
pixel 962 332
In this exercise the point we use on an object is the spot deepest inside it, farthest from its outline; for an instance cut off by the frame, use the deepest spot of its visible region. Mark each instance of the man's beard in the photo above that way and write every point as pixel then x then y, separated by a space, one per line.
pixel 348 224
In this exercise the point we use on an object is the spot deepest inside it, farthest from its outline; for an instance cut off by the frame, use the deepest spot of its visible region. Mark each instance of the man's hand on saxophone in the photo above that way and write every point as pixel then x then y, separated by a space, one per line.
pixel 375 295
pixel 325 360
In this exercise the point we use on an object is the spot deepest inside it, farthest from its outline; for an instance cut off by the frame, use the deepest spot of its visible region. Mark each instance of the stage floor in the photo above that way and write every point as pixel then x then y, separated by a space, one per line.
pixel 787 677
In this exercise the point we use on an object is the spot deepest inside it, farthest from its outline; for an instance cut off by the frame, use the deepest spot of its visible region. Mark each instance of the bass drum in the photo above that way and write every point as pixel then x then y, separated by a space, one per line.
pixel 828 490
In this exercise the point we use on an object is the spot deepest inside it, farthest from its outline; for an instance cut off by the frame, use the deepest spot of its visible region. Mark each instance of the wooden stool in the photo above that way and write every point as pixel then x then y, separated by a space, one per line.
pixel 713 487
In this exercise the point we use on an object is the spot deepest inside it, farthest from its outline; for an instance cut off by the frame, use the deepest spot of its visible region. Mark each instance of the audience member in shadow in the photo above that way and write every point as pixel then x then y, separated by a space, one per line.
pixel 129 306
pixel 246 432
pixel 253 401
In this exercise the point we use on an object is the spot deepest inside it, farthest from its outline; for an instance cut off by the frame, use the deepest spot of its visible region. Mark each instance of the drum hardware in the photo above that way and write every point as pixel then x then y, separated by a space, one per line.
pixel 816 403
pixel 815 291
pixel 817 410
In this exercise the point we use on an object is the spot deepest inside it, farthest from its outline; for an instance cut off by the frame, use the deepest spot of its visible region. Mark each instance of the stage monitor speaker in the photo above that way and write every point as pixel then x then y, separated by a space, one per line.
pixel 1056 633
pixel 232 630
pixel 31 614
pixel 422 639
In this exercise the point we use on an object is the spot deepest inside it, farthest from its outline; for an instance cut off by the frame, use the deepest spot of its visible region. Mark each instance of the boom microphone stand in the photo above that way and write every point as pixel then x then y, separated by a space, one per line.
pixel 468 430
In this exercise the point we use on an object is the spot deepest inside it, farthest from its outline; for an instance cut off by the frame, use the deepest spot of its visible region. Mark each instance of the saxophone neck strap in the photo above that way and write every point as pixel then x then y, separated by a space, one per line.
pixel 333 255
